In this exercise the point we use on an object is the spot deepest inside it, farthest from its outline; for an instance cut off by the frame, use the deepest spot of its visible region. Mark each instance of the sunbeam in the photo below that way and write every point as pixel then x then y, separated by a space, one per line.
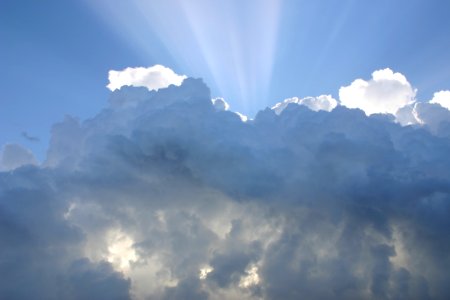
pixel 230 43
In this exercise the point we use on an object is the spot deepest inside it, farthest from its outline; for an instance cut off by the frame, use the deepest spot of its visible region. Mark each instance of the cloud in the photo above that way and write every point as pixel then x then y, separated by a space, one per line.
pixel 164 196
pixel 220 104
pixel 385 93
pixel 323 102
pixel 433 115
pixel 42 254
pixel 14 156
pixel 408 115
pixel 153 78
pixel 29 137
pixel 442 98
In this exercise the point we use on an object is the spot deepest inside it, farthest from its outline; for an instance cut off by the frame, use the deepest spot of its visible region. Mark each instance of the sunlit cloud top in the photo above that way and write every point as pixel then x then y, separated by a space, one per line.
pixel 153 78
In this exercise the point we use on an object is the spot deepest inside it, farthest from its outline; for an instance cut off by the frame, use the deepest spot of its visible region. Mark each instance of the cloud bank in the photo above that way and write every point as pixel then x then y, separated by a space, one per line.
pixel 169 195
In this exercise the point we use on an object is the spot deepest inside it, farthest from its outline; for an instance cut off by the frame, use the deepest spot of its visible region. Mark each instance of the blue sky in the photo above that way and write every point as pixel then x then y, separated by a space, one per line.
pixel 55 55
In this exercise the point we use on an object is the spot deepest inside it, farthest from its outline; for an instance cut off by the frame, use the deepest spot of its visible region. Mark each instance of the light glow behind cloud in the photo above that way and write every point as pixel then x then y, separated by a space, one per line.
pixel 232 42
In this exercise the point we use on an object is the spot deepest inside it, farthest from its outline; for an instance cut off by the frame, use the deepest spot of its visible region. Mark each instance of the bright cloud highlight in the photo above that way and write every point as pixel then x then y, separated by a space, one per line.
pixel 442 98
pixel 385 93
pixel 323 102
pixel 153 78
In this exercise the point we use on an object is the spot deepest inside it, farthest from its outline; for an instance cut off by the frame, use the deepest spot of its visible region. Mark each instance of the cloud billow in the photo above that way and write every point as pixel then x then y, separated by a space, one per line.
pixel 153 78
pixel 386 92
pixel 167 195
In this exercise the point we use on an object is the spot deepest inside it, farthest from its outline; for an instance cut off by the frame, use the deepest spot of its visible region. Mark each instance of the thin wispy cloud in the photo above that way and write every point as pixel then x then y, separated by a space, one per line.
pixel 29 137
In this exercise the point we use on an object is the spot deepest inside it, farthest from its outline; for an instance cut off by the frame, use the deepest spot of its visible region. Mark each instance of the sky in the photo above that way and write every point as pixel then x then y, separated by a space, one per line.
pixel 224 150
pixel 254 54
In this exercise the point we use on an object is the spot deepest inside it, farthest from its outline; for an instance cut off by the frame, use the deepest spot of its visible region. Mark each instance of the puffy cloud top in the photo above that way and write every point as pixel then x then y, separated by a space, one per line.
pixel 433 115
pixel 442 98
pixel 323 102
pixel 14 156
pixel 220 104
pixel 386 92
pixel 153 78
pixel 166 195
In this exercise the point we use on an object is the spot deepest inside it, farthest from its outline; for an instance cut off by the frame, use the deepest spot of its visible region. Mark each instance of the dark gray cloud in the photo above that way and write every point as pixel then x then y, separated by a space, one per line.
pixel 164 196
pixel 41 253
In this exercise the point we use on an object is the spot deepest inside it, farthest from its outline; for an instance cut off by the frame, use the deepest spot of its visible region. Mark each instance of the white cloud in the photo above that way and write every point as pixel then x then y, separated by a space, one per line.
pixel 408 115
pixel 153 78
pixel 386 92
pixel 430 114
pixel 442 98
pixel 323 102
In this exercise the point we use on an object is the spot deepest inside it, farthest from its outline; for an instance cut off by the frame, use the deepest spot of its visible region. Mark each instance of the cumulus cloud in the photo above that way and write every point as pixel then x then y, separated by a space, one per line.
pixel 173 197
pixel 42 254
pixel 433 115
pixel 386 92
pixel 153 78
pixel 14 156
pixel 220 104
pixel 442 98
pixel 323 102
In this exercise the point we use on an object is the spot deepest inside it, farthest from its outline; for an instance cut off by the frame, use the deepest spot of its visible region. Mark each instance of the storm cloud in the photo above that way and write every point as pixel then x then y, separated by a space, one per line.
pixel 168 195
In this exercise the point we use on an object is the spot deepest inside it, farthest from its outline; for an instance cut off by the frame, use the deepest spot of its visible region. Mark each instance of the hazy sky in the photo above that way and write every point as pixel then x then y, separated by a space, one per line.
pixel 55 55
